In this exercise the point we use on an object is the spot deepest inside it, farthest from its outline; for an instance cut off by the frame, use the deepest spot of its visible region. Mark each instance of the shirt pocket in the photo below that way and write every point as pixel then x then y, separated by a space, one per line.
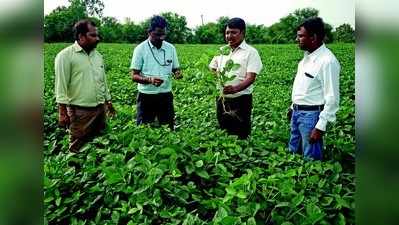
pixel 310 79
pixel 166 68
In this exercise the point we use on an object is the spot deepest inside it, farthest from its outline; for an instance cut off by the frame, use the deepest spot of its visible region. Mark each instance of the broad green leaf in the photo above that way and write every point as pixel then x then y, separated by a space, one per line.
pixel 298 200
pixel 229 220
pixel 251 221
pixel 202 173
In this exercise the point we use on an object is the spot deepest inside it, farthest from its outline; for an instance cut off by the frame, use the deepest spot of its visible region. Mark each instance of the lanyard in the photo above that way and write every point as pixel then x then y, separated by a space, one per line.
pixel 165 62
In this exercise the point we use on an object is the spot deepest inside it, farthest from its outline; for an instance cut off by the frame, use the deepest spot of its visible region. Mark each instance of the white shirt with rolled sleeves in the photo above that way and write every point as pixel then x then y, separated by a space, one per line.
pixel 317 83
pixel 249 60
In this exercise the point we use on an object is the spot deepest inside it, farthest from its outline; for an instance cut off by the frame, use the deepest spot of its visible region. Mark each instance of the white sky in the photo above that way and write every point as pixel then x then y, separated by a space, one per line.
pixel 334 12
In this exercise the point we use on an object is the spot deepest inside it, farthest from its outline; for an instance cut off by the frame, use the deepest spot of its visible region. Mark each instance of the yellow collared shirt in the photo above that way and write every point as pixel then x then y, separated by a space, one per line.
pixel 80 77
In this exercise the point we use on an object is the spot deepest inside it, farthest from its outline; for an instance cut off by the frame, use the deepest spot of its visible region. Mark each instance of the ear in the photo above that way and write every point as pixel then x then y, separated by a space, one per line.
pixel 314 38
pixel 82 37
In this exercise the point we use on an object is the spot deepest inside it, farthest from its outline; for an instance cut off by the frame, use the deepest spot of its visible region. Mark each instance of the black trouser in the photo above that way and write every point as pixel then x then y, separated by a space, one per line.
pixel 235 117
pixel 159 105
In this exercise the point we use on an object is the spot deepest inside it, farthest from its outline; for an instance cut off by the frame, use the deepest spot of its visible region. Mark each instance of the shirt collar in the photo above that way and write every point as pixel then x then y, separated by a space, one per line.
pixel 313 56
pixel 243 45
pixel 152 46
pixel 77 47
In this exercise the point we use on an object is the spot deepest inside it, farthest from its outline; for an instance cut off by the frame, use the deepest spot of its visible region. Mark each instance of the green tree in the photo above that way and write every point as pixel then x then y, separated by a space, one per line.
pixel 329 34
pixel 221 23
pixel 94 8
pixel 305 13
pixel 59 23
pixel 177 28
pixel 285 30
pixel 208 33
pixel 344 33
pixel 111 30
pixel 256 34
pixel 133 33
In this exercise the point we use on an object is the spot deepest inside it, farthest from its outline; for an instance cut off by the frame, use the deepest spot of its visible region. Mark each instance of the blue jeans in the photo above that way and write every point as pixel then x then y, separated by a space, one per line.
pixel 302 124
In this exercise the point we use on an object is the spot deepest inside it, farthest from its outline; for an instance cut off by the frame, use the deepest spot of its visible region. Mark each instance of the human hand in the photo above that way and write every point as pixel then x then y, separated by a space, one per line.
pixel 315 135
pixel 109 108
pixel 178 75
pixel 289 114
pixel 230 89
pixel 156 81
pixel 63 118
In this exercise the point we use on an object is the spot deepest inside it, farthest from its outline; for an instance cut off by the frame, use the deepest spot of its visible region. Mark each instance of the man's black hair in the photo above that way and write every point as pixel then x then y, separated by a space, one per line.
pixel 157 21
pixel 236 23
pixel 314 26
pixel 82 27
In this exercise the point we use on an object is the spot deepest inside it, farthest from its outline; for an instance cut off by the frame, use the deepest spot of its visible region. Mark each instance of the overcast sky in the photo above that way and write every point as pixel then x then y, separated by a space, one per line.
pixel 334 12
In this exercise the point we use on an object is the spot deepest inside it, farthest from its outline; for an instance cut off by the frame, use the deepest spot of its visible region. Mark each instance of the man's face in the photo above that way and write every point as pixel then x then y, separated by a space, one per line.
pixel 303 39
pixel 234 36
pixel 157 36
pixel 91 38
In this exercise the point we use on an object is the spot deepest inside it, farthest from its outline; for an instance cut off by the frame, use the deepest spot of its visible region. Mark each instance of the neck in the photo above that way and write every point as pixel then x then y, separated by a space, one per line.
pixel 315 47
pixel 233 47
pixel 156 44
pixel 85 48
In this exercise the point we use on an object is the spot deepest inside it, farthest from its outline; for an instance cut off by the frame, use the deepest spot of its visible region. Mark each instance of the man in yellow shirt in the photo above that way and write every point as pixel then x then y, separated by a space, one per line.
pixel 81 88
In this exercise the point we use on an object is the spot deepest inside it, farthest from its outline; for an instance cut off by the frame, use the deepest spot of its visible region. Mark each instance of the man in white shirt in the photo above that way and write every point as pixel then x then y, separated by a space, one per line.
pixel 238 92
pixel 315 94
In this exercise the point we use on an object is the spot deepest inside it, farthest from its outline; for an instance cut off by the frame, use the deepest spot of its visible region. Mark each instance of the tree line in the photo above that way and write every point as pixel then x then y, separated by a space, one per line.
pixel 58 27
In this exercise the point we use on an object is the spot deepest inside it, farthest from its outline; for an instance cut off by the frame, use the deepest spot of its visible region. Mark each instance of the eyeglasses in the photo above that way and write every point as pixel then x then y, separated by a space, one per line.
pixel 165 62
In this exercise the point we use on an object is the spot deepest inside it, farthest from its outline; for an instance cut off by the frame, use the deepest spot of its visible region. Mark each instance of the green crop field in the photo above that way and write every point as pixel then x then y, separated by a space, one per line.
pixel 199 174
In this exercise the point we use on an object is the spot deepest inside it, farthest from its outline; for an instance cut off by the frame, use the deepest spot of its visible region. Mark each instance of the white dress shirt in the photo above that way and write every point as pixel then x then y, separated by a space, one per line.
pixel 249 60
pixel 317 83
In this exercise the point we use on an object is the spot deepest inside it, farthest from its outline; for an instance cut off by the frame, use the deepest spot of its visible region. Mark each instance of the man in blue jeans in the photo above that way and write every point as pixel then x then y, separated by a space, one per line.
pixel 315 93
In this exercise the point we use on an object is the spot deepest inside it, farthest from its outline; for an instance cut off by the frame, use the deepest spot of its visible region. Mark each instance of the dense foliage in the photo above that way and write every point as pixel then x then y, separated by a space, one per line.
pixel 58 27
pixel 199 174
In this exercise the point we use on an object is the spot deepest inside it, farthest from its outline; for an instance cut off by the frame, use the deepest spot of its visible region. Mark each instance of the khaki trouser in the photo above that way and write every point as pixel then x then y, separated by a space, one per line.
pixel 85 124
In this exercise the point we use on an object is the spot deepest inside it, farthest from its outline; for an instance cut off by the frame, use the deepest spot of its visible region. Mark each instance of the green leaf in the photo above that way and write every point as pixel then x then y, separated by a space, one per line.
pixel 298 200
pixel 341 219
pixel 230 190
pixel 282 204
pixel 199 163
pixel 235 66
pixel 229 220
pixel 202 173
pixel 58 201
pixel 251 221
pixel 133 210
pixel 287 223
pixel 241 194
pixel 189 168
pixel 115 216
pixel 112 175
pixel 225 50
pixel 326 201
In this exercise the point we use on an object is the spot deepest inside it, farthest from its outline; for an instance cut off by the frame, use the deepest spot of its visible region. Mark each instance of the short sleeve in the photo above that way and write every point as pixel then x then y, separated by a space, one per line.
pixel 176 63
pixel 214 63
pixel 254 62
pixel 137 59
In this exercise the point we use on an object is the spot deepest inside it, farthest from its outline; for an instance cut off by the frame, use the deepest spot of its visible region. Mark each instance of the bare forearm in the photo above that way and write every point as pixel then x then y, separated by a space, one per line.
pixel 141 79
pixel 245 83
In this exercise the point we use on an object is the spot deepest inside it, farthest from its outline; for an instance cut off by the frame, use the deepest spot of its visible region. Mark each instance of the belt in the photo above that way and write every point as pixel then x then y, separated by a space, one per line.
pixel 85 107
pixel 308 107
